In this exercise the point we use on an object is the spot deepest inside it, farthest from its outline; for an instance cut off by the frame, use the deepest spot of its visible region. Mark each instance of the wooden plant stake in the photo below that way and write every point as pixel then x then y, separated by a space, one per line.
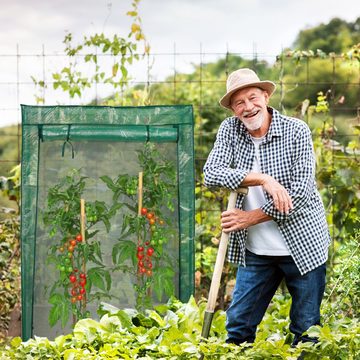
pixel 82 231
pixel 140 192
pixel 140 201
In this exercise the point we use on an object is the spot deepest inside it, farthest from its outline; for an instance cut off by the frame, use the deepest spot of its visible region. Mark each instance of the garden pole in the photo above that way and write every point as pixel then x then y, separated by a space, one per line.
pixel 219 264
pixel 82 232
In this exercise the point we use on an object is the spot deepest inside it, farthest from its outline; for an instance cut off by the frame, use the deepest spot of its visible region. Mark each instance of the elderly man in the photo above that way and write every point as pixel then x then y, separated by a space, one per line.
pixel 279 230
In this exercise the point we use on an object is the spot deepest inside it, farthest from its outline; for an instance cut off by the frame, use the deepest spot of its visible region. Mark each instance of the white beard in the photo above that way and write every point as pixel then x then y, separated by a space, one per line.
pixel 254 123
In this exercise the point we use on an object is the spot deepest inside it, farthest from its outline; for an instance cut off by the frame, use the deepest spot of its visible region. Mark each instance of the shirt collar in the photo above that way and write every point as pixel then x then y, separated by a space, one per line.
pixel 275 128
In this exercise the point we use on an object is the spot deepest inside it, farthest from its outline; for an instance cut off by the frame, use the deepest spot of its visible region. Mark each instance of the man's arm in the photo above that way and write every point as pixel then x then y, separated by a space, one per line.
pixel 280 196
pixel 218 169
pixel 237 219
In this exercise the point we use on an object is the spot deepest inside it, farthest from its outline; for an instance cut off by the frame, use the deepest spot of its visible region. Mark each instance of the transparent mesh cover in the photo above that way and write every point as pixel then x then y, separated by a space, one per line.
pixel 52 151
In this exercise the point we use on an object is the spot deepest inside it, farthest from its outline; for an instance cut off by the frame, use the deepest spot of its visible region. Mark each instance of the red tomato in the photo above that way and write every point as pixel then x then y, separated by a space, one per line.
pixel 150 215
pixel 78 238
pixel 143 270
pixel 82 291
pixel 82 276
pixel 72 278
pixel 140 248
pixel 150 251
pixel 79 297
pixel 143 211
pixel 82 282
pixel 73 243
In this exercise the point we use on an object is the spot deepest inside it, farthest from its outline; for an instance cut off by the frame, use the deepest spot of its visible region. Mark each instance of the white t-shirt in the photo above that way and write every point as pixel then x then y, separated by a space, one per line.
pixel 264 238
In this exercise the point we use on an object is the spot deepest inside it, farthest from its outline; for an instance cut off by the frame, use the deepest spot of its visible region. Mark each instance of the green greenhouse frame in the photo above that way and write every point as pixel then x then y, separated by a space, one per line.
pixel 158 124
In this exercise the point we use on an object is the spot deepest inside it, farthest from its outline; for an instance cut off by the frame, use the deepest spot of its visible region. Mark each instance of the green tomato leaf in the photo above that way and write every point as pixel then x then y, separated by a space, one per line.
pixel 164 282
pixel 123 251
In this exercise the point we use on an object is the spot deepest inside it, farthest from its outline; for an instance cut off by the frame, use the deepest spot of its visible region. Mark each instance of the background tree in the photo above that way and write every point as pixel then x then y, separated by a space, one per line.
pixel 336 36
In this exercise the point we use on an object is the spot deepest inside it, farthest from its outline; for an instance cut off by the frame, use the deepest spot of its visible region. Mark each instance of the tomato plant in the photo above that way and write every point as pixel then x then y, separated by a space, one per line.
pixel 70 253
pixel 146 229
pixel 139 251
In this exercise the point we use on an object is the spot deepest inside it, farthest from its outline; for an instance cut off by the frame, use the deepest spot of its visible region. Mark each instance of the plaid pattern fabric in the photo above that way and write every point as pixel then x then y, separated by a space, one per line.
pixel 287 155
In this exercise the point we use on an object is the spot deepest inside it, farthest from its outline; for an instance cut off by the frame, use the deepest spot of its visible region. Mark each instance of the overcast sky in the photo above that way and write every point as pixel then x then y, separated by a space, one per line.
pixel 218 25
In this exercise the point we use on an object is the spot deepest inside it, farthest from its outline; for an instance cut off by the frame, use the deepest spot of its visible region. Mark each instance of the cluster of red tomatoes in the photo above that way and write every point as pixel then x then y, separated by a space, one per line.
pixel 145 252
pixel 78 281
pixel 151 217
pixel 144 256
pixel 71 245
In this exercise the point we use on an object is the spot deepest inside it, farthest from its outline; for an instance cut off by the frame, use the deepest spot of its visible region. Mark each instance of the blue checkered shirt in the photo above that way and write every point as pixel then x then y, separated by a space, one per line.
pixel 287 155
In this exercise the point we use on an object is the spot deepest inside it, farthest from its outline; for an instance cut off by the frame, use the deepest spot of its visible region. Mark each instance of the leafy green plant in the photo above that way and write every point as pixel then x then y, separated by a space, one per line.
pixel 71 253
pixel 147 228
pixel 10 186
pixel 123 51
pixel 337 171
pixel 9 270
pixel 9 249
pixel 343 290
pixel 172 331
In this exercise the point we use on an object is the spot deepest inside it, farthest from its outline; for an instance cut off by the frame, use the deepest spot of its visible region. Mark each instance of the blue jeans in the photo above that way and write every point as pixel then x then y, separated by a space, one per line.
pixel 256 285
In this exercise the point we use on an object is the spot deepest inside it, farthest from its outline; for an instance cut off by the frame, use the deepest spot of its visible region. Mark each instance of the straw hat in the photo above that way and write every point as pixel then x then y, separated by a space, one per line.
pixel 240 79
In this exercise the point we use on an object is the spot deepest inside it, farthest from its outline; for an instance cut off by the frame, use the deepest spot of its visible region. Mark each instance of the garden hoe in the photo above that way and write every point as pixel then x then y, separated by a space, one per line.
pixel 219 264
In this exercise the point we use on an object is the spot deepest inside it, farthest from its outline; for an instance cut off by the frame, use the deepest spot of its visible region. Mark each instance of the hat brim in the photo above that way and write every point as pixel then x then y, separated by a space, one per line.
pixel 268 86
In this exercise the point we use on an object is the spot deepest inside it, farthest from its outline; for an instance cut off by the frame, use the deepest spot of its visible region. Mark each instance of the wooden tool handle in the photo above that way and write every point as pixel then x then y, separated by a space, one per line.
pixel 220 258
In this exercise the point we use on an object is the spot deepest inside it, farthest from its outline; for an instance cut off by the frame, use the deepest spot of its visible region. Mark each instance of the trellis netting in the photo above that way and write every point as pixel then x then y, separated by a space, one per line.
pixel 107 211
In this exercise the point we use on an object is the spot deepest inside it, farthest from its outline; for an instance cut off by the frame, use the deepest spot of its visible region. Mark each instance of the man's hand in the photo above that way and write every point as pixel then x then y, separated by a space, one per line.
pixel 280 196
pixel 237 219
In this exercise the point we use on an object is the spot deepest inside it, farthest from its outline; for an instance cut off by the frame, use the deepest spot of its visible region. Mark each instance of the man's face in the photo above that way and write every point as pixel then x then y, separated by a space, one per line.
pixel 250 106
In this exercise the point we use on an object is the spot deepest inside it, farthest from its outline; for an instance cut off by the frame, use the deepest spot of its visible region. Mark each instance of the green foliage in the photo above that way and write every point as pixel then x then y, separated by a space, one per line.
pixel 343 290
pixel 303 74
pixel 172 331
pixel 10 186
pixel 9 250
pixel 71 253
pixel 123 51
pixel 336 36
pixel 76 253
pixel 148 228
pixel 9 156
pixel 9 138
pixel 337 172
pixel 9 270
